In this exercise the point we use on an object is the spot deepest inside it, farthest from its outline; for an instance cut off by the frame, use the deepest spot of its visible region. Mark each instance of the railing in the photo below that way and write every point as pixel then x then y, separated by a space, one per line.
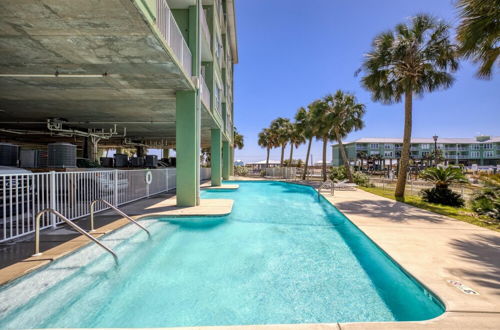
pixel 172 34
pixel 117 210
pixel 72 225
pixel 326 183
pixel 24 195
pixel 205 93
pixel 282 172
pixel 204 26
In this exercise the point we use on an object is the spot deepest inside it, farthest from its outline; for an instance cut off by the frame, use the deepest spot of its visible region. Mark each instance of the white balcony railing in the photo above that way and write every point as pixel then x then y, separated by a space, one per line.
pixel 205 92
pixel 172 34
pixel 204 26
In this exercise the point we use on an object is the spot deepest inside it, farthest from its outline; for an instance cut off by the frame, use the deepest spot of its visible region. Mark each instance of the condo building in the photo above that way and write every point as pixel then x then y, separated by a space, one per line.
pixel 481 150
pixel 120 74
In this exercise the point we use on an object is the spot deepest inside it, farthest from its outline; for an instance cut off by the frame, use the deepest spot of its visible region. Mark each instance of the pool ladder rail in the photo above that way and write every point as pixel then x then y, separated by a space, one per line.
pixel 325 183
pixel 117 210
pixel 72 225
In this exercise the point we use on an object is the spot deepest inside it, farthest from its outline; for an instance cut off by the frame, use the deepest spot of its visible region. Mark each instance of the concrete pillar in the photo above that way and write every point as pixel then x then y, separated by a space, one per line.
pixel 187 135
pixel 166 152
pixel 226 158
pixel 231 161
pixel 216 155
pixel 93 143
pixel 86 148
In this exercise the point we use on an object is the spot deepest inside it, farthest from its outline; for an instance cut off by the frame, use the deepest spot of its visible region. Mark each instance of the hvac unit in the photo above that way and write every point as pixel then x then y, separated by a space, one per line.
pixel 62 155
pixel 137 161
pixel 9 154
pixel 29 158
pixel 106 161
pixel 151 161
pixel 121 160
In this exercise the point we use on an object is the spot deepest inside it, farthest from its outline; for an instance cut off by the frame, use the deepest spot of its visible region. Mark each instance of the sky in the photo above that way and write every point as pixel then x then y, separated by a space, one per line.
pixel 292 52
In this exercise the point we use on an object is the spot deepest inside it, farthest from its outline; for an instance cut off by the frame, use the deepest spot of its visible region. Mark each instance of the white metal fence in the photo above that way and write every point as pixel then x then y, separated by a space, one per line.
pixel 288 173
pixel 172 34
pixel 70 193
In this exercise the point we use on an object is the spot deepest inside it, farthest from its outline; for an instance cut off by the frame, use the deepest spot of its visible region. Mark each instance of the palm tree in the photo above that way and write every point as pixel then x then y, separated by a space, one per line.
pixel 362 155
pixel 479 33
pixel 238 140
pixel 296 138
pixel 266 141
pixel 305 125
pixel 281 128
pixel 412 59
pixel 345 114
pixel 323 128
pixel 443 177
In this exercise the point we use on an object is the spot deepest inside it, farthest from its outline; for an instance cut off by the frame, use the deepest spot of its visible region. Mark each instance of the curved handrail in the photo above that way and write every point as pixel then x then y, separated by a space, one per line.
pixel 324 183
pixel 117 211
pixel 72 224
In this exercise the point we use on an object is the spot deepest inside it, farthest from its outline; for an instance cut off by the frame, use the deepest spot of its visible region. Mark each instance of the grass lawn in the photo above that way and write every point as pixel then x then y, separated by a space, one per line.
pixel 462 214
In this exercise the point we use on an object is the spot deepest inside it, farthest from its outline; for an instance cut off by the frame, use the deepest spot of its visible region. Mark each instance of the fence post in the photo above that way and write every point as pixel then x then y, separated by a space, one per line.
pixel 52 193
pixel 115 196
pixel 166 179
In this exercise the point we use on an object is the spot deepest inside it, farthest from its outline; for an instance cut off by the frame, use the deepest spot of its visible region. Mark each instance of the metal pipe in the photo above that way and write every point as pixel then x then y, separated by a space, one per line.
pixel 71 224
pixel 117 211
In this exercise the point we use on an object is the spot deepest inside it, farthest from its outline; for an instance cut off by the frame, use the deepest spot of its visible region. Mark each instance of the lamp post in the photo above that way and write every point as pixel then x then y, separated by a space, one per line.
pixel 435 137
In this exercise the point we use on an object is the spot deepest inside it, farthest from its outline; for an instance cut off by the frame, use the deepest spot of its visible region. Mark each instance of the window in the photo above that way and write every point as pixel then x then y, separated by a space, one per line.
pixel 475 146
pixel 388 146
pixel 488 146
pixel 424 153
pixel 474 154
pixel 488 154
pixel 374 146
pixel 388 154
pixel 374 153
pixel 425 146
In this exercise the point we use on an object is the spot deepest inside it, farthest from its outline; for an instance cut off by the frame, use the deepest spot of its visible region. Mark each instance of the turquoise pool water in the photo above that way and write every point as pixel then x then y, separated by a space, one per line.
pixel 280 257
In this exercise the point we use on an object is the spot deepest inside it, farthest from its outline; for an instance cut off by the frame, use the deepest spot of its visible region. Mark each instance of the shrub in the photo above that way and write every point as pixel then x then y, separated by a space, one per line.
pixel 263 173
pixel 487 202
pixel 339 174
pixel 444 196
pixel 240 170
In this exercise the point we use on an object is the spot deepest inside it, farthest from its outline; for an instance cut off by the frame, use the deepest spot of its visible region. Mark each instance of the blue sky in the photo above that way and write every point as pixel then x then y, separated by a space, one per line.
pixel 292 52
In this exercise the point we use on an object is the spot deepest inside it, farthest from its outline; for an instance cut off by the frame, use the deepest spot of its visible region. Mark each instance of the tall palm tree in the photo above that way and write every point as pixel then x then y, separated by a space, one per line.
pixel 323 128
pixel 281 128
pixel 413 59
pixel 238 140
pixel 296 138
pixel 345 113
pixel 479 33
pixel 266 141
pixel 305 125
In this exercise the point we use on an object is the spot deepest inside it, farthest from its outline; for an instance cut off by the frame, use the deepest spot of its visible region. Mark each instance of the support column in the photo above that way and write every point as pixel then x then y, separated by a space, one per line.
pixel 226 157
pixel 187 151
pixel 216 155
pixel 231 161
pixel 166 152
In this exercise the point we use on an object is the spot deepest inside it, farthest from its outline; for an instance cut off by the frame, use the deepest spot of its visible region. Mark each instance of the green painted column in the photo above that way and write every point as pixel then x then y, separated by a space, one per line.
pixel 216 157
pixel 231 162
pixel 226 158
pixel 187 153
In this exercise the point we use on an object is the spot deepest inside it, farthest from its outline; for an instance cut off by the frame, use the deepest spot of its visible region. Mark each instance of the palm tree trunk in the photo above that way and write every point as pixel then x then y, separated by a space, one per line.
pixel 282 154
pixel 307 159
pixel 291 155
pixel 344 157
pixel 405 153
pixel 267 158
pixel 325 142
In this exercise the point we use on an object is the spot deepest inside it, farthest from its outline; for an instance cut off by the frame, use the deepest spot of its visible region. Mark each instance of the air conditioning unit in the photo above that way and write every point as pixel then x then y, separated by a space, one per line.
pixel 29 158
pixel 62 155
pixel 121 160
pixel 9 154
pixel 151 161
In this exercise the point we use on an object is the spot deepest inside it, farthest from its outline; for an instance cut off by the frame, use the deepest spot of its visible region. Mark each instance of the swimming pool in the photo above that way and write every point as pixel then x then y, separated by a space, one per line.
pixel 281 256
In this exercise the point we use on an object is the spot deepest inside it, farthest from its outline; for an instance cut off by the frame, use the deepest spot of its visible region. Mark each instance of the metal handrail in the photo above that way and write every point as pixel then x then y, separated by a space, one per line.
pixel 117 211
pixel 69 222
pixel 321 186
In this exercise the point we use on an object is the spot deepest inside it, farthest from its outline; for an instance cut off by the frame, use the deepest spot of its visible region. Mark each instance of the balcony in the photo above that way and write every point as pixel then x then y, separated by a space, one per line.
pixel 171 33
pixel 204 92
pixel 206 49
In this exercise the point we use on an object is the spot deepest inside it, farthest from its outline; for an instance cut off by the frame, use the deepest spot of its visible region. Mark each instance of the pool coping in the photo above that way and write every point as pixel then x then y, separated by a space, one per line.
pixel 450 319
